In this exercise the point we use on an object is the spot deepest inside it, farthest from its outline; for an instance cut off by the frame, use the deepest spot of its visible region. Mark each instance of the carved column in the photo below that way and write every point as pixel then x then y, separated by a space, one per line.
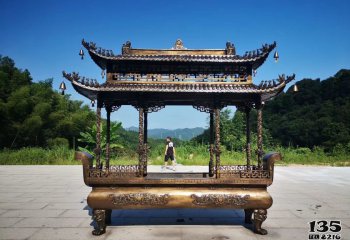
pixel 217 141
pixel 141 141
pixel 211 144
pixel 260 152
pixel 108 135
pixel 98 136
pixel 145 139
pixel 248 146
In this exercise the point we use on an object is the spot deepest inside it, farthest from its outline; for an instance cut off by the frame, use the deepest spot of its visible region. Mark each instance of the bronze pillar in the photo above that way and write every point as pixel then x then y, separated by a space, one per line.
pixel 141 141
pixel 108 135
pixel 248 146
pixel 98 136
pixel 217 141
pixel 211 144
pixel 259 133
pixel 145 139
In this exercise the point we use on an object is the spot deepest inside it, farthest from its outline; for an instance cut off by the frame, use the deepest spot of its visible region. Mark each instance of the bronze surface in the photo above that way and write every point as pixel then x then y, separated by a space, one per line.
pixel 98 136
pixel 108 135
pixel 174 197
pixel 208 80
pixel 217 142
pixel 229 175
pixel 141 142
pixel 247 123
pixel 260 152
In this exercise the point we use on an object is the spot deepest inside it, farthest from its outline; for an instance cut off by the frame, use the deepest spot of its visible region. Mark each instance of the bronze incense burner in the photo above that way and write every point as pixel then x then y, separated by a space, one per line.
pixel 208 80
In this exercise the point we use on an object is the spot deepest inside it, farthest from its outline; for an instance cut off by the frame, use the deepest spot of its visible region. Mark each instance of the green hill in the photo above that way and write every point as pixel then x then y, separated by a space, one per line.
pixel 33 114
pixel 317 115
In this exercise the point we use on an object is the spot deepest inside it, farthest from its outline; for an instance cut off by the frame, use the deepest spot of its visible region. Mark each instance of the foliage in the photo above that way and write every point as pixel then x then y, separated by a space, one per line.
pixel 233 133
pixel 317 115
pixel 38 156
pixel 89 138
pixel 33 114
pixel 187 154
pixel 58 142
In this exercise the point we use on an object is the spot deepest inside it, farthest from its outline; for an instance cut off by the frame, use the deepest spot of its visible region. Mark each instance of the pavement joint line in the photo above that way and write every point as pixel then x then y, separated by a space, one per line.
pixel 325 187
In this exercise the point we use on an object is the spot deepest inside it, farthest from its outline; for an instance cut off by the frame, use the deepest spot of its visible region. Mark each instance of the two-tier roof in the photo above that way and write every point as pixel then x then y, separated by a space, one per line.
pixel 178 76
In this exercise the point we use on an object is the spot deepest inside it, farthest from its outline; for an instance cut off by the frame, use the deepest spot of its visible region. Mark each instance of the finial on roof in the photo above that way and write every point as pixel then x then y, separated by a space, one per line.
pixel 230 49
pixel 179 45
pixel 126 47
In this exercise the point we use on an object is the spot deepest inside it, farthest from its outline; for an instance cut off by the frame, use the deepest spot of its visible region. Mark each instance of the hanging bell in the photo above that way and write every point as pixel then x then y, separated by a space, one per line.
pixel 62 87
pixel 295 88
pixel 92 103
pixel 276 56
pixel 254 72
pixel 81 53
pixel 103 73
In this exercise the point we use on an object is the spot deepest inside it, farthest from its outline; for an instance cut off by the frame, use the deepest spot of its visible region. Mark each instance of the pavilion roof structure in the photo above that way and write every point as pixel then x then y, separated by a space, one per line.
pixel 90 88
pixel 180 55
pixel 178 76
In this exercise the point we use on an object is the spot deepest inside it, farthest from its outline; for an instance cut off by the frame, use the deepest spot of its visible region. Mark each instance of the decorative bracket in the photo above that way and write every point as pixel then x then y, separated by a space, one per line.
pixel 150 108
pixel 113 106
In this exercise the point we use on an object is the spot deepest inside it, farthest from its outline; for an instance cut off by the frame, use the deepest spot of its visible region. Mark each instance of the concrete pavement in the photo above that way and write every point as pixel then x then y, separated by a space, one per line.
pixel 49 202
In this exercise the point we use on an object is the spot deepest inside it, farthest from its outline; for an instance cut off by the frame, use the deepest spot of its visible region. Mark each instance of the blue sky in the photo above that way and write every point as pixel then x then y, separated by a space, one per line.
pixel 313 38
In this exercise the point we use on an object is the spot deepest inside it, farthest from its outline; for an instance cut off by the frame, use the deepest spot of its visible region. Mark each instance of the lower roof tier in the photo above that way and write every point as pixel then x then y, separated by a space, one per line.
pixel 177 93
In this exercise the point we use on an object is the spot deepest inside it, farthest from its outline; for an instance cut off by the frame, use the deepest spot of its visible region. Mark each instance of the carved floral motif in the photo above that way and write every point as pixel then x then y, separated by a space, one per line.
pixel 220 199
pixel 139 199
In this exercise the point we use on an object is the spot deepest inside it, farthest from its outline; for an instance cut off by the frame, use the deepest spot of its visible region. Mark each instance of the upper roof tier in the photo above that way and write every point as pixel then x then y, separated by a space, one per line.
pixel 178 59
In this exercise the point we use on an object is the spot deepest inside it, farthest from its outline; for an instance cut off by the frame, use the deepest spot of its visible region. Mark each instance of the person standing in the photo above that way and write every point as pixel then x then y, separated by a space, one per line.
pixel 169 153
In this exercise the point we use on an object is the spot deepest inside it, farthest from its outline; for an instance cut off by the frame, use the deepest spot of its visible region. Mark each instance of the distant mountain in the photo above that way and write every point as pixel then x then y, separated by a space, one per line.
pixel 133 129
pixel 180 133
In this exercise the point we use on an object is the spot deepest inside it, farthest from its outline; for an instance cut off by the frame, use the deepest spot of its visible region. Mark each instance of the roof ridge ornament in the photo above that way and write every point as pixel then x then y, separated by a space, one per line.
pixel 178 45
pixel 126 47
pixel 230 49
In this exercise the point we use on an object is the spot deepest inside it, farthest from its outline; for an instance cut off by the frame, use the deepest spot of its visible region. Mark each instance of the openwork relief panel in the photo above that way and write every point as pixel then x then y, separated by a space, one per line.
pixel 139 199
pixel 115 171
pixel 244 171
pixel 220 199
pixel 231 78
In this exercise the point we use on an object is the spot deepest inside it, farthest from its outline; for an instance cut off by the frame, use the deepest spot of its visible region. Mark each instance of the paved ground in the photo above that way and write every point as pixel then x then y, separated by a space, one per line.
pixel 49 202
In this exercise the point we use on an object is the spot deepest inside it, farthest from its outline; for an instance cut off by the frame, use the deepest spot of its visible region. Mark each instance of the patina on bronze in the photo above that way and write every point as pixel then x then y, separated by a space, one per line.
pixel 208 80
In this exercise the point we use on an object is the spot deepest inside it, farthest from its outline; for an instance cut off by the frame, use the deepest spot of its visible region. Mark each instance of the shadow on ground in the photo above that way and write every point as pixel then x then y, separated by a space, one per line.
pixel 176 217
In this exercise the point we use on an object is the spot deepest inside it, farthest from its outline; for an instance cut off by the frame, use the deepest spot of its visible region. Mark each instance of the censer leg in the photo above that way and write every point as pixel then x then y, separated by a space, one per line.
pixel 99 216
pixel 258 219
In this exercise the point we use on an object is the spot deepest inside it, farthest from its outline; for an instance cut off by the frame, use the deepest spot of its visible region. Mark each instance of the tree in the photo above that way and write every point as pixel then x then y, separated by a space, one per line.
pixel 33 114
pixel 233 131
pixel 317 115
pixel 89 138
